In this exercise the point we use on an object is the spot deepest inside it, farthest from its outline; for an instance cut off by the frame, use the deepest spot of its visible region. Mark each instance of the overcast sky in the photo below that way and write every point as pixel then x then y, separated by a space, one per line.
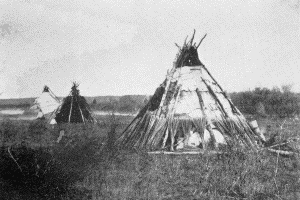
pixel 126 47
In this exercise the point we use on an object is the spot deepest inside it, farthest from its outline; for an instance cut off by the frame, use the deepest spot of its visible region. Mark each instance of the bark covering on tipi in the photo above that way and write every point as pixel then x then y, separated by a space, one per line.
pixel 188 99
pixel 74 109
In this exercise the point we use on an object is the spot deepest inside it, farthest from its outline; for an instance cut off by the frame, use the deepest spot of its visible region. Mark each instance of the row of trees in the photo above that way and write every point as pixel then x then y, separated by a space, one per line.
pixel 281 102
pixel 277 101
pixel 20 105
pixel 126 103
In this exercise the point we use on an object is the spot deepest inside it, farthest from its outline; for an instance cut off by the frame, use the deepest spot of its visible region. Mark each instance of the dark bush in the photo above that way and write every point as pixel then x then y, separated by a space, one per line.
pixel 47 173
pixel 11 131
pixel 263 101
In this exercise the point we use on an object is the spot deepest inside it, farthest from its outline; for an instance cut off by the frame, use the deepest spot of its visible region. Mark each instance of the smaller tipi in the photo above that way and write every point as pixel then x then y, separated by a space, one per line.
pixel 74 108
pixel 47 104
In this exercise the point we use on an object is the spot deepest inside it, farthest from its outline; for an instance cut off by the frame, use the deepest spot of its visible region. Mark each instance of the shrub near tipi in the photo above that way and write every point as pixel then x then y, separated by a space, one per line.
pixel 74 108
pixel 47 104
pixel 189 98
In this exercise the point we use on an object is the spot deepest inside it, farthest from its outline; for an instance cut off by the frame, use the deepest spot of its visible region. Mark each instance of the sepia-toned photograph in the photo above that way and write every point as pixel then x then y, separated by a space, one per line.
pixel 149 100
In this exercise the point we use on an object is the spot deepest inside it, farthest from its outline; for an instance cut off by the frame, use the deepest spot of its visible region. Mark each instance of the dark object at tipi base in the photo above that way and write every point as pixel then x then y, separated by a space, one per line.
pixel 74 109
pixel 189 98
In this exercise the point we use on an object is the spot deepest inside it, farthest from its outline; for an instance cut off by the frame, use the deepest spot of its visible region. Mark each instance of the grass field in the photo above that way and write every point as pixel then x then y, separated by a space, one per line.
pixel 83 165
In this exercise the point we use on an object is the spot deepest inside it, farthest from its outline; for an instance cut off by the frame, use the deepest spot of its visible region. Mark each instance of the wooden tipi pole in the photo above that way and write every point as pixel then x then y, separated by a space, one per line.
pixel 209 123
pixel 215 97
pixel 80 111
pixel 71 109
pixel 173 132
pixel 169 77
pixel 230 102
pixel 53 95
pixel 234 108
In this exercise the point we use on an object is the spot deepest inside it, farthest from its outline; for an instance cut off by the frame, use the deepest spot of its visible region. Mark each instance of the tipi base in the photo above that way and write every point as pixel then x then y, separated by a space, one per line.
pixel 189 152
pixel 282 152
pixel 214 152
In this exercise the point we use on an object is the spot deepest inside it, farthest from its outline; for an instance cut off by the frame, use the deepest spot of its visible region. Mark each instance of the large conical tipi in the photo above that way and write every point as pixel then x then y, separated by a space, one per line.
pixel 47 104
pixel 188 99
pixel 74 108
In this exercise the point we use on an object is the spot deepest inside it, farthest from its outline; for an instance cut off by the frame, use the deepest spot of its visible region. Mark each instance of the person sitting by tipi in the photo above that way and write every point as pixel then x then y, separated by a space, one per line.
pixel 193 139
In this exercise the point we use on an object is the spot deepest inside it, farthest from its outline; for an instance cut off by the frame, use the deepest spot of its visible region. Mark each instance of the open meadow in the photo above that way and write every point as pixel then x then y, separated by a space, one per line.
pixel 149 100
pixel 85 165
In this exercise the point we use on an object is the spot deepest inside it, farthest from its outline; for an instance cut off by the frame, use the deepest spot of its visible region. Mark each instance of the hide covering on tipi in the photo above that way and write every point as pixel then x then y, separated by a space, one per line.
pixel 188 98
pixel 47 104
pixel 74 109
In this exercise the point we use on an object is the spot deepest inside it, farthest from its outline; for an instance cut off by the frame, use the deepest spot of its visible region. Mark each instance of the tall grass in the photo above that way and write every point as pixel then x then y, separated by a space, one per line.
pixel 35 166
pixel 238 175
pixel 85 165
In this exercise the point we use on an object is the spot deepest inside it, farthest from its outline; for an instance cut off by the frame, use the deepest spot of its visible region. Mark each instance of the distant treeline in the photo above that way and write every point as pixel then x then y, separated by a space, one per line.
pixel 280 102
pixel 127 103
pixel 16 103
pixel 9 106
